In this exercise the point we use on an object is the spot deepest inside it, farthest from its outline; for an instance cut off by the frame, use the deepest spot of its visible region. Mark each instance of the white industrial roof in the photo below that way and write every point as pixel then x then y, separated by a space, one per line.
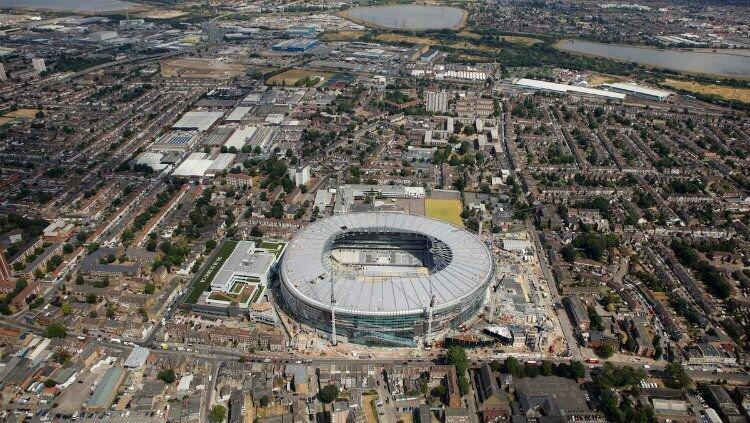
pixel 240 137
pixel 639 89
pixel 304 273
pixel 221 162
pixel 199 120
pixel 563 88
pixel 195 165
pixel 238 113
pixel 137 357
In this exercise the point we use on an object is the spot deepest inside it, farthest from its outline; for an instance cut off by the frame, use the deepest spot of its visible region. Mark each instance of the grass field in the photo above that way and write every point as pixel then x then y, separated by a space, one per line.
pixel 444 209
pixel 515 39
pixel 203 282
pixel 290 77
pixel 728 93
pixel 415 39
pixel 342 36
pixel 22 113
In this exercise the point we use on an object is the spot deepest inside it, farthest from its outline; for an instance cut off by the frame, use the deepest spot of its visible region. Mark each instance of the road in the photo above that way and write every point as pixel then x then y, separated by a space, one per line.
pixel 567 328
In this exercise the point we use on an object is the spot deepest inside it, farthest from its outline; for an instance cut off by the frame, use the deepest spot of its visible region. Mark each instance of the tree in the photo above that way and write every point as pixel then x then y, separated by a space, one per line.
pixel 676 377
pixel 218 413
pixel 91 298
pixel 66 309
pixel 49 383
pixel 568 253
pixel 605 351
pixel 264 401
pixel 256 232
pixel 149 288
pixel 55 330
pixel 514 367
pixel 546 368
pixel 328 394
pixel 463 385
pixel 456 356
pixel 577 369
pixel 166 375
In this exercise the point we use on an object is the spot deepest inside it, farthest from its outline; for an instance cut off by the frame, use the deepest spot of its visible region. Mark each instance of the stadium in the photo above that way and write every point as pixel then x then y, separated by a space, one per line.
pixel 389 278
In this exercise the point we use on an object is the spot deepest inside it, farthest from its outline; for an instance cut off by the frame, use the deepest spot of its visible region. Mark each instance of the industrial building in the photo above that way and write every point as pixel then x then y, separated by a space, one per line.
pixel 198 120
pixel 638 91
pixel 534 84
pixel 388 278
pixel 296 45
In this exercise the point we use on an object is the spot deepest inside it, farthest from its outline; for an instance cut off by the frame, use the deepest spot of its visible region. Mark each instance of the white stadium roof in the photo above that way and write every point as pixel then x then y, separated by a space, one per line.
pixel 306 276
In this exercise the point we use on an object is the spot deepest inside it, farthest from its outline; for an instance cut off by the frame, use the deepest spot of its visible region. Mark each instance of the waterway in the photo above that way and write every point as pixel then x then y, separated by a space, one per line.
pixel 707 62
pixel 411 16
pixel 86 6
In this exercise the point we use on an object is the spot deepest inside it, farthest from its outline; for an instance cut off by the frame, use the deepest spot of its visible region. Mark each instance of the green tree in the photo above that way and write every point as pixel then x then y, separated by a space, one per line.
pixel 264 401
pixel 166 375
pixel 568 253
pixel 149 288
pixel 328 394
pixel 55 330
pixel 463 385
pixel 514 367
pixel 676 377
pixel 218 413
pixel 605 351
pixel 456 356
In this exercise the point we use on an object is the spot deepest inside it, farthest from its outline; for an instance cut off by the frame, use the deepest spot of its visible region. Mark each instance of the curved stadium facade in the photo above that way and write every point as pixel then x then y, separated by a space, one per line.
pixel 383 271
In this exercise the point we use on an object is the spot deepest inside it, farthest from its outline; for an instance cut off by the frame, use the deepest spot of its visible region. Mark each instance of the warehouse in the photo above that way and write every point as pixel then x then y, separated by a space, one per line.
pixel 198 120
pixel 296 45
pixel 535 84
pixel 638 91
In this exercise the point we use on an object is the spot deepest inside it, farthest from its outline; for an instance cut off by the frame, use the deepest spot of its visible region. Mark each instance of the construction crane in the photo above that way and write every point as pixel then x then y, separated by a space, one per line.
pixel 333 311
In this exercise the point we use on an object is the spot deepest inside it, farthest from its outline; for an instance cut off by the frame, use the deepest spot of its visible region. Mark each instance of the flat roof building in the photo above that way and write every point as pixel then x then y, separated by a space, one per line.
pixel 638 91
pixel 106 390
pixel 198 120
pixel 535 84
pixel 246 263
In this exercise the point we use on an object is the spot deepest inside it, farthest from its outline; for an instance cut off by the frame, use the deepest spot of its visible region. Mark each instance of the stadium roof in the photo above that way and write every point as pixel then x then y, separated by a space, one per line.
pixel 305 274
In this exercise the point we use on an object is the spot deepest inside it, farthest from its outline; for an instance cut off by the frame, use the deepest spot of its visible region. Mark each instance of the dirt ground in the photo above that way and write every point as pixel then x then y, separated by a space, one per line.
pixel 290 77
pixel 201 68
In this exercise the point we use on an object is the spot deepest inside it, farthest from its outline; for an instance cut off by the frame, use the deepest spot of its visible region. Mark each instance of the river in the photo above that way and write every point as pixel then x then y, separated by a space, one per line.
pixel 86 6
pixel 412 16
pixel 707 62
